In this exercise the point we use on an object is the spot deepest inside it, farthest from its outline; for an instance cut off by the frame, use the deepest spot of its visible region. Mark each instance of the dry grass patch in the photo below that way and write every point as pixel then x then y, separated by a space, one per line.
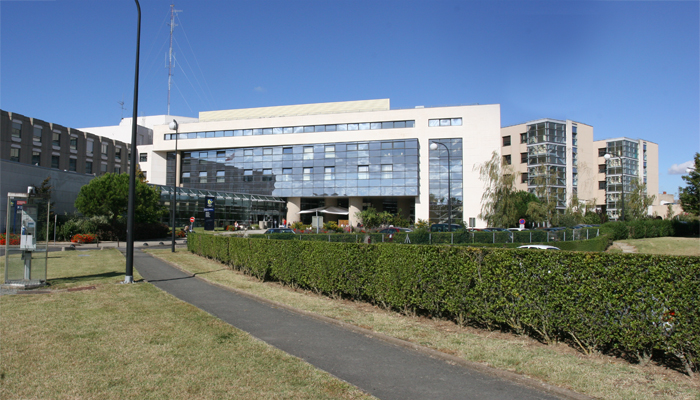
pixel 597 376
pixel 135 341
pixel 672 246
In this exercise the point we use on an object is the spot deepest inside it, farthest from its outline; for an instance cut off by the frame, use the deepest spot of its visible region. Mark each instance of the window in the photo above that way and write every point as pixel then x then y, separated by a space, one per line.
pixel 472 222
pixel 286 171
pixel 307 173
pixel 602 151
pixel 38 130
pixel 523 177
pixel 117 169
pixel 103 168
pixel 601 185
pixel 287 150
pixel 445 122
pixel 17 129
pixel 203 177
pixel 118 153
pixel 329 173
pixel 72 164
pixel 105 148
pixel 523 137
pixel 36 157
pixel 74 143
pixel 14 154
pixel 506 141
pixel 523 158
pixel 363 172
pixel 506 159
pixel 387 170
pixel 248 175
pixel 267 151
pixel 54 161
pixel 267 175
pixel 56 139
pixel 220 176
pixel 144 175
pixel 601 168
pixel 143 157
pixel 330 151
pixel 308 153
pixel 185 177
pixel 90 147
pixel 246 152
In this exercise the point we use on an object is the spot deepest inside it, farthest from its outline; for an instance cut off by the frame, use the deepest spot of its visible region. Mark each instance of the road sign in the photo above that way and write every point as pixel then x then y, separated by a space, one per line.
pixel 192 219
pixel 521 221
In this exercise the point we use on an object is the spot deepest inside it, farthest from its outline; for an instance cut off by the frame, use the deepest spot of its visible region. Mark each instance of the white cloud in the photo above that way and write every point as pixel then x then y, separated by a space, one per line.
pixel 680 169
pixel 260 89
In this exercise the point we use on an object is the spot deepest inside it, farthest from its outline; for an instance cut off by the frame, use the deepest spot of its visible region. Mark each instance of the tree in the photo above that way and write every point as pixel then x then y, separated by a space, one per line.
pixel 546 210
pixel 108 195
pixel 522 201
pixel 690 195
pixel 498 202
pixel 637 202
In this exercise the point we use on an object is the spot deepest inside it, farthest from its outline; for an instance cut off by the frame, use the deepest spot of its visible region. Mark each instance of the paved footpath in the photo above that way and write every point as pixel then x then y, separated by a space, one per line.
pixel 383 369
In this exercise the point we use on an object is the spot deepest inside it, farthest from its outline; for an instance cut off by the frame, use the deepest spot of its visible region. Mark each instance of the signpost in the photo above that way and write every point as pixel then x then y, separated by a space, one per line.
pixel 209 213
pixel 522 223
pixel 191 223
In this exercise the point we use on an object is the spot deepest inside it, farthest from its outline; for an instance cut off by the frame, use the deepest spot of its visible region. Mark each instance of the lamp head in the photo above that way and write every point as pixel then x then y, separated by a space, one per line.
pixel 607 157
pixel 173 125
pixel 433 146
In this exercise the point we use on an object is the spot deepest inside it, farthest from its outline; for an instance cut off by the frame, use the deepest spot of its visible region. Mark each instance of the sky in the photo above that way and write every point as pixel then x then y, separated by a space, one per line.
pixel 627 68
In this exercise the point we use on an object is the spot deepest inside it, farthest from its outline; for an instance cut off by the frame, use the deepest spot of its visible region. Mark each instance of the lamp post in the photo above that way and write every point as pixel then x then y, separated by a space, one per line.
pixel 433 146
pixel 173 127
pixel 609 157
pixel 129 275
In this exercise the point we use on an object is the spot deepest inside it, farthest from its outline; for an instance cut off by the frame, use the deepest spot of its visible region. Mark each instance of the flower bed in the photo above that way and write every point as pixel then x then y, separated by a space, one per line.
pixel 14 240
pixel 84 238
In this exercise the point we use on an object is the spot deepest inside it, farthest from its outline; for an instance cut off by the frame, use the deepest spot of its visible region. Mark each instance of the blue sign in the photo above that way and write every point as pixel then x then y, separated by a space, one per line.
pixel 521 221
pixel 209 214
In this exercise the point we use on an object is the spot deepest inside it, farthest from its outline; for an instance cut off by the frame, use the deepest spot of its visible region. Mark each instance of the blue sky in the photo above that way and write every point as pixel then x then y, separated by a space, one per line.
pixel 628 68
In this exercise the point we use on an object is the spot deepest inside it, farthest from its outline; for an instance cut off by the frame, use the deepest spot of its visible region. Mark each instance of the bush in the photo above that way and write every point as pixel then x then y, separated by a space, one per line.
pixel 84 238
pixel 14 239
pixel 634 303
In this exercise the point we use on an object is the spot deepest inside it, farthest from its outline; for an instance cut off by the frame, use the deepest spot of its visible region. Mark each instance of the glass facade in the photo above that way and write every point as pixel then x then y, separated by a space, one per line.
pixel 546 159
pixel 621 171
pixel 438 187
pixel 347 169
pixel 229 207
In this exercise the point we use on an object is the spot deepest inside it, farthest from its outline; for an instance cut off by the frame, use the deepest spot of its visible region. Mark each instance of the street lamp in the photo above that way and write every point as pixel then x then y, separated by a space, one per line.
pixel 433 146
pixel 173 127
pixel 609 157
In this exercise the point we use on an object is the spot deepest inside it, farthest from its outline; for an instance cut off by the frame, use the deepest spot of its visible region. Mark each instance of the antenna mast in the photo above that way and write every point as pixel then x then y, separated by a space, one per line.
pixel 170 54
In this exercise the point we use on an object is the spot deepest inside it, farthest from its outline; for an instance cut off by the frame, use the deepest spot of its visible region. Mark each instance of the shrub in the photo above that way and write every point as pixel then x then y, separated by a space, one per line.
pixel 14 239
pixel 84 238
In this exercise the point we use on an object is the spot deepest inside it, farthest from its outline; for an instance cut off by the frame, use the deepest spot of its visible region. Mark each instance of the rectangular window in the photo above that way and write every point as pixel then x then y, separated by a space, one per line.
pixel 363 172
pixel 117 153
pixel 117 170
pixel 90 147
pixel 387 170
pixel 38 130
pixel 267 151
pixel 267 175
pixel 523 137
pixel 74 143
pixel 105 148
pixel 287 150
pixel 248 152
pixel 308 153
pixel 472 222
pixel 329 173
pixel 601 168
pixel 601 185
pixel 14 154
pixel 185 177
pixel 103 168
pixel 307 173
pixel 143 157
pixel 36 157
pixel 56 139
pixel 506 141
pixel 54 161
pixel 17 129
pixel 88 167
pixel 445 122
pixel 72 164
pixel 523 177
pixel 203 177
pixel 602 151
pixel 220 176
pixel 506 159
pixel 330 151
pixel 523 158
pixel 286 171
pixel 248 175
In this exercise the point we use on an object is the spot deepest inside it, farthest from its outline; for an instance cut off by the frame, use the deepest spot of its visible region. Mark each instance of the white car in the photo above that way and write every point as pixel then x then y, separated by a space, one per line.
pixel 538 246
pixel 517 229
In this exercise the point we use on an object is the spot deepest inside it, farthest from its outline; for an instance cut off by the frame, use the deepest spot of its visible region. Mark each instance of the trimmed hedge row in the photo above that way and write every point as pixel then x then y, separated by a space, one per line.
pixel 598 301
pixel 651 228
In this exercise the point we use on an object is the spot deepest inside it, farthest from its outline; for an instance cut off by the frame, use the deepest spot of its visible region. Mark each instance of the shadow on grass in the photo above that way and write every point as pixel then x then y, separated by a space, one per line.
pixel 84 278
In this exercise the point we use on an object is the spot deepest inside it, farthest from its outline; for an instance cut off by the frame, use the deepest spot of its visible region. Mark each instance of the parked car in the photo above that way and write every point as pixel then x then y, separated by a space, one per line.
pixel 554 229
pixel 279 230
pixel 517 229
pixel 392 230
pixel 496 229
pixel 579 226
pixel 444 227
pixel 538 246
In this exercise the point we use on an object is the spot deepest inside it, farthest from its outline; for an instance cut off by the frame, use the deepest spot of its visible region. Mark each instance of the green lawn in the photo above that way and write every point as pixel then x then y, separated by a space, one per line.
pixel 121 341
pixel 674 246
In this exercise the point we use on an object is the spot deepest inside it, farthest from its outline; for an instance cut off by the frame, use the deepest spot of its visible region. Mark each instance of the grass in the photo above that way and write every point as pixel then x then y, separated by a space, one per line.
pixel 135 341
pixel 675 246
pixel 598 376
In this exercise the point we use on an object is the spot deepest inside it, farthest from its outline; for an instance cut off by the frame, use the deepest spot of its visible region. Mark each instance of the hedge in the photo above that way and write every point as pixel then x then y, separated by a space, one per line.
pixel 633 303
pixel 651 228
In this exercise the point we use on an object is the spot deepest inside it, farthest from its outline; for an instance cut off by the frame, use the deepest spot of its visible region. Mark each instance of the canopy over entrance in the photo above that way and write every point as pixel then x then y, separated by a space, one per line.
pixel 326 210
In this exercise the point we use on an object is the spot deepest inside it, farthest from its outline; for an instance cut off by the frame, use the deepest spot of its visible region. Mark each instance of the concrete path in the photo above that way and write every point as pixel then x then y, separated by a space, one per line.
pixel 625 247
pixel 384 369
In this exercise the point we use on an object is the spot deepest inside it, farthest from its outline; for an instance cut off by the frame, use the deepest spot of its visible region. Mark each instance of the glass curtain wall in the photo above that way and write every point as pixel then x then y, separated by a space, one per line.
pixel 620 173
pixel 546 150
pixel 438 188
